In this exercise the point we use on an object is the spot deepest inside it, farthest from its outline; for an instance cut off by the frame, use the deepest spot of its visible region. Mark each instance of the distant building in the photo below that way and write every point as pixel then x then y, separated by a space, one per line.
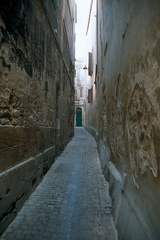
pixel 80 88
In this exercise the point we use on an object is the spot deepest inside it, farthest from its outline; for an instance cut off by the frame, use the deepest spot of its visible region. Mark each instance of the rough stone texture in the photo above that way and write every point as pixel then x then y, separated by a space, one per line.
pixel 128 79
pixel 36 92
pixel 72 202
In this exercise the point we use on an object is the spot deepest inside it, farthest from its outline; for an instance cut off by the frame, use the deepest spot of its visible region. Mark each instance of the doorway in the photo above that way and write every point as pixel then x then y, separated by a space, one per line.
pixel 78 117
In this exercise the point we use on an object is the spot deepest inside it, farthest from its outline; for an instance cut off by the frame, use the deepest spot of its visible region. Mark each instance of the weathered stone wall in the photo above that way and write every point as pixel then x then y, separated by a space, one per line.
pixel 129 115
pixel 36 96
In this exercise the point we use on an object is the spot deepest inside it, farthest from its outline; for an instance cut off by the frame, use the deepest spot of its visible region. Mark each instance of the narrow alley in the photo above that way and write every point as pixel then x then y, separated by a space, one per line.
pixel 79 119
pixel 72 202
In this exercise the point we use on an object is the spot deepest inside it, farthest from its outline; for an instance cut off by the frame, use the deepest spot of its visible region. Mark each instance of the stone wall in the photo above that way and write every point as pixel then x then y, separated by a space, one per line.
pixel 128 83
pixel 36 95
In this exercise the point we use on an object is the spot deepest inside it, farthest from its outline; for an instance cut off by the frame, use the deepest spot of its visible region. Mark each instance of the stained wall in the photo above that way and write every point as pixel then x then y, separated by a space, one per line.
pixel 36 94
pixel 128 106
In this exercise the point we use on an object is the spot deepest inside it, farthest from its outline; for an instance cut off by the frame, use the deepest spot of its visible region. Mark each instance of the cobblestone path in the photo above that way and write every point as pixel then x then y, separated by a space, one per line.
pixel 72 201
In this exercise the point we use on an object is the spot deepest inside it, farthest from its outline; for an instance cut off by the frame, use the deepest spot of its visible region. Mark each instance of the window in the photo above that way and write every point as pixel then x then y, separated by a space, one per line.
pixel 90 64
pixel 81 92
pixel 90 95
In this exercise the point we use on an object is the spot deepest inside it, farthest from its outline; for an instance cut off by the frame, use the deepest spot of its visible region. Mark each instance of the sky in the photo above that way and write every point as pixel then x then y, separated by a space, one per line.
pixel 81 26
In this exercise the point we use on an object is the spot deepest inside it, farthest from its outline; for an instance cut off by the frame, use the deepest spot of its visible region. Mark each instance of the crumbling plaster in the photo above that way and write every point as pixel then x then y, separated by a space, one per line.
pixel 36 91
pixel 128 131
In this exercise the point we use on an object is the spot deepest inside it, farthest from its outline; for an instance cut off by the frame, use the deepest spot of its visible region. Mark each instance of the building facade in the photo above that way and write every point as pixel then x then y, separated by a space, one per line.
pixel 80 87
pixel 91 66
pixel 36 94
pixel 128 110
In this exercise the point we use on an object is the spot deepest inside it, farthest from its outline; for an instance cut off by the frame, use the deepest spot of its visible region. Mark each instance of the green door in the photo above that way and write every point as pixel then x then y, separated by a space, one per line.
pixel 78 117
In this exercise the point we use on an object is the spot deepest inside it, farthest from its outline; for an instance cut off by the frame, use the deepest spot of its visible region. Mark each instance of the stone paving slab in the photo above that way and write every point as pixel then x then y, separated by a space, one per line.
pixel 72 202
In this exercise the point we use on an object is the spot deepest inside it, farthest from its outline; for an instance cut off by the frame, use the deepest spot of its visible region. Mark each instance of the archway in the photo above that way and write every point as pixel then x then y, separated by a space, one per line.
pixel 78 117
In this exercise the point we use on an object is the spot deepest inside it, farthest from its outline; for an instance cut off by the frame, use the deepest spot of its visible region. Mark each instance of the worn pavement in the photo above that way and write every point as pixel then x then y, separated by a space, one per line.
pixel 72 202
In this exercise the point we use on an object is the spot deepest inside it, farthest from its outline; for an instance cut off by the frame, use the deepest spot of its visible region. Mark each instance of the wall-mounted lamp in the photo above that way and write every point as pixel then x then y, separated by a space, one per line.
pixel 85 68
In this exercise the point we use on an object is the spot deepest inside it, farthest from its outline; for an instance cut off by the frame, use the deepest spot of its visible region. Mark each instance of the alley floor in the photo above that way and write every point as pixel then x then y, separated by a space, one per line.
pixel 72 202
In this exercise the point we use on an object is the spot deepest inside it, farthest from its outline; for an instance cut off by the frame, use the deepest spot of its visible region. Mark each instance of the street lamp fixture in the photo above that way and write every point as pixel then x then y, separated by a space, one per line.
pixel 85 68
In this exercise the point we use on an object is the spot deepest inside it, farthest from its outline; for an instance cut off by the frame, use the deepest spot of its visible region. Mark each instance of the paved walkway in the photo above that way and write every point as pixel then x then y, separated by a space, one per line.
pixel 72 201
